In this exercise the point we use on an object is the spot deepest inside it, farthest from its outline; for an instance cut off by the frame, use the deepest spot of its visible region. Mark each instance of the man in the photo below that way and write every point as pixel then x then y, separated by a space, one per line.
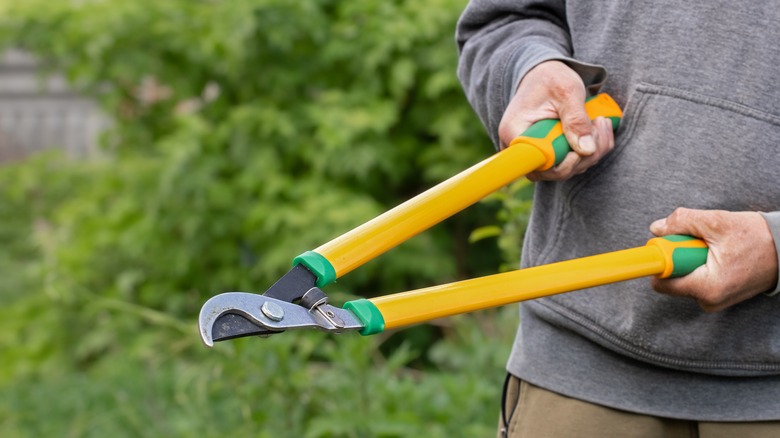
pixel 697 154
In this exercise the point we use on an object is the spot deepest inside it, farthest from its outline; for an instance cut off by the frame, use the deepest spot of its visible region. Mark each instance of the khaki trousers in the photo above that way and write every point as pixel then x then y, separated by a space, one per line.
pixel 533 412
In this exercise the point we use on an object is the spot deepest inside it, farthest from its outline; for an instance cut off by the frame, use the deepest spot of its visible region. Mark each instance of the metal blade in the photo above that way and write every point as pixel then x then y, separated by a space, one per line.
pixel 293 285
pixel 290 288
pixel 268 314
pixel 232 326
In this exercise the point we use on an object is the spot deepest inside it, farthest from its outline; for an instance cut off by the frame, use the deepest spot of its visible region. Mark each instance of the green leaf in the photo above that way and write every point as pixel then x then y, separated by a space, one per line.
pixel 485 232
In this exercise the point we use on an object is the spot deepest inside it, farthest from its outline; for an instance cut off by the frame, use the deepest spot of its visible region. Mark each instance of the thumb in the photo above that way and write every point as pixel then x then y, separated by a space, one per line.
pixel 577 126
pixel 683 221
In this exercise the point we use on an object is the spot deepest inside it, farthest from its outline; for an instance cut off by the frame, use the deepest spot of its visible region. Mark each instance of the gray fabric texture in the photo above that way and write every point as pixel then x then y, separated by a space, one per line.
pixel 698 85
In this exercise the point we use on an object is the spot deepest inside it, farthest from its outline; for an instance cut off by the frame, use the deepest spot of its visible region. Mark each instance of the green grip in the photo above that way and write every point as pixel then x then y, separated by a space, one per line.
pixel 318 265
pixel 560 145
pixel 684 259
pixel 368 314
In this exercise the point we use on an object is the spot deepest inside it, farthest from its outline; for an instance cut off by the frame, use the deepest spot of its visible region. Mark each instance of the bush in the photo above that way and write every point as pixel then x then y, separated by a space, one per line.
pixel 245 133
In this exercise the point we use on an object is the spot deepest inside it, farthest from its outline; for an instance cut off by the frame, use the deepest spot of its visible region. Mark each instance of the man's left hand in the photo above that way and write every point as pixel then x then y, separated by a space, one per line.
pixel 742 260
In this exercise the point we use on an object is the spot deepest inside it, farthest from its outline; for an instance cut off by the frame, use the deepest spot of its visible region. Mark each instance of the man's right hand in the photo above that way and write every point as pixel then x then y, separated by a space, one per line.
pixel 552 90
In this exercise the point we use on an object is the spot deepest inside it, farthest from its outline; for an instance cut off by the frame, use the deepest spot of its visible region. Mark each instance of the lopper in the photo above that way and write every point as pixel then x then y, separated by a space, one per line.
pixel 296 301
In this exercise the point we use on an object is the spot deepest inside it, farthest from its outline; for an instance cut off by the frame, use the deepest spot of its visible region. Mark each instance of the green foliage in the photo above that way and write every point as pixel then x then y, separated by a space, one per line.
pixel 245 132
pixel 299 385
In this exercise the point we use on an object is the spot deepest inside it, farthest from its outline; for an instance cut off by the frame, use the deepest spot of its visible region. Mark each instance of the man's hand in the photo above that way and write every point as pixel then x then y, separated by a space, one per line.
pixel 552 90
pixel 742 260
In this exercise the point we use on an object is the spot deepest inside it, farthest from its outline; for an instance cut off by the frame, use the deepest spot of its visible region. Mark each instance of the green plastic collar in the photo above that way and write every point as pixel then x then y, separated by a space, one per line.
pixel 686 260
pixel 560 145
pixel 368 314
pixel 318 265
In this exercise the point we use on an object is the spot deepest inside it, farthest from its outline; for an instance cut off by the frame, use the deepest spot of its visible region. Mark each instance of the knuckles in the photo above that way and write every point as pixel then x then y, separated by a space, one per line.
pixel 713 300
pixel 712 222
pixel 710 300
pixel 680 215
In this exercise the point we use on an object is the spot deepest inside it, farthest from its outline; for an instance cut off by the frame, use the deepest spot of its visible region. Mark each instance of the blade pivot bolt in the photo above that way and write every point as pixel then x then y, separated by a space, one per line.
pixel 272 311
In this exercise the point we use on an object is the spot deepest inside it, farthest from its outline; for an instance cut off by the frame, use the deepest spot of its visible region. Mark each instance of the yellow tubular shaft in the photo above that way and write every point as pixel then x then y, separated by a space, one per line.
pixel 384 232
pixel 497 290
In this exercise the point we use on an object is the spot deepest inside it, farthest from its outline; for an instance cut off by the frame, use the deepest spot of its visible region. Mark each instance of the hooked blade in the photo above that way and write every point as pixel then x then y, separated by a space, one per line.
pixel 233 324
pixel 270 315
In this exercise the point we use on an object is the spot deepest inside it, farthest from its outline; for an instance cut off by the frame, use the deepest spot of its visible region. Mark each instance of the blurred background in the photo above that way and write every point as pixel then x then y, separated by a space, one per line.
pixel 156 153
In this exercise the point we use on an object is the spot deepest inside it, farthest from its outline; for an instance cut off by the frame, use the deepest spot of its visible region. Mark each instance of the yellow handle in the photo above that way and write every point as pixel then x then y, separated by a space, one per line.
pixel 672 255
pixel 666 256
pixel 384 232
pixel 525 284
pixel 395 226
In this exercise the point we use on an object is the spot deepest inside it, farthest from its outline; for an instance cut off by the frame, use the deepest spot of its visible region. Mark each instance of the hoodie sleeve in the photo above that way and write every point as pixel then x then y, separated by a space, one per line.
pixel 773 220
pixel 499 41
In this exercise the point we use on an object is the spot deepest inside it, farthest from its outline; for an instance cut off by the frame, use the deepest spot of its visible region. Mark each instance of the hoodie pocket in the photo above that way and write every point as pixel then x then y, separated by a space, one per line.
pixel 676 149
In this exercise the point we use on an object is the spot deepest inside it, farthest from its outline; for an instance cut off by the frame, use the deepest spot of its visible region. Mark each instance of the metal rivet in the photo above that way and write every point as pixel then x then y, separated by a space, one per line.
pixel 273 311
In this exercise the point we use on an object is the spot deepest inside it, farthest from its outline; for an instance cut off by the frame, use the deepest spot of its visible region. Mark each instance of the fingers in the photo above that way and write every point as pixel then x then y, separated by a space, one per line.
pixel 675 223
pixel 698 284
pixel 574 163
pixel 709 286
pixel 741 262
pixel 698 223
pixel 552 90
pixel 547 91
pixel 604 143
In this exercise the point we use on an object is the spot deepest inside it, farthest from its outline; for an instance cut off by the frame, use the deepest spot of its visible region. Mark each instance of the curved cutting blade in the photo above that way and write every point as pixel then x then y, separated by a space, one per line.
pixel 236 314
pixel 290 287
pixel 232 326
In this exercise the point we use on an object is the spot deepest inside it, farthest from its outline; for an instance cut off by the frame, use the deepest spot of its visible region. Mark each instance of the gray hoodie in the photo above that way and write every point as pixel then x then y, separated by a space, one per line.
pixel 698 83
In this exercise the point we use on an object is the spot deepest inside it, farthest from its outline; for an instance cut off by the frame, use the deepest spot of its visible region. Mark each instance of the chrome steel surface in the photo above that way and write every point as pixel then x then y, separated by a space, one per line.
pixel 250 306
